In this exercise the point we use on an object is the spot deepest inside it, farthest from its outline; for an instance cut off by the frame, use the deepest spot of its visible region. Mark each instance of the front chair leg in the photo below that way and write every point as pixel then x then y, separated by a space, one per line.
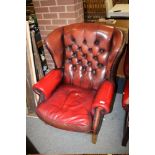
pixel 97 123
pixel 126 130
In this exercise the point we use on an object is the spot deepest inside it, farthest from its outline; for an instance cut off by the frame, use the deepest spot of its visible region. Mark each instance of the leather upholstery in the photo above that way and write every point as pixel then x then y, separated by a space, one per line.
pixel 87 49
pixel 104 96
pixel 47 84
pixel 86 57
pixel 68 108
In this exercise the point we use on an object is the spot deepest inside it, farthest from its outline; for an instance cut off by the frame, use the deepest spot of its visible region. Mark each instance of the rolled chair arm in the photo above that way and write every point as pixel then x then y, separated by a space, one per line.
pixel 104 96
pixel 101 106
pixel 45 86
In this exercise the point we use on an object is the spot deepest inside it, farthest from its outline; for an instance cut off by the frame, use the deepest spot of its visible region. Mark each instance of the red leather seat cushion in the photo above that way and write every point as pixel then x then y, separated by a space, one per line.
pixel 68 108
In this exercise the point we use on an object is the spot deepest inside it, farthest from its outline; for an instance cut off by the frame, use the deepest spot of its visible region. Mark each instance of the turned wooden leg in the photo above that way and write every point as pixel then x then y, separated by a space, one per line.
pixel 126 130
pixel 97 123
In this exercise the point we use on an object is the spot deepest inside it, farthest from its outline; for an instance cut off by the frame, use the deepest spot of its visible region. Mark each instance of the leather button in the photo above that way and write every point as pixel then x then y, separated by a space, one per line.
pixel 96 42
pixel 102 50
pixel 79 48
pixel 85 55
pixel 79 61
pixel 100 65
pixel 94 71
pixel 84 41
pixel 90 49
pixel 74 67
pixel 69 59
pixel 95 57
pixel 73 39
pixel 89 63
pixel 84 68
pixel 74 54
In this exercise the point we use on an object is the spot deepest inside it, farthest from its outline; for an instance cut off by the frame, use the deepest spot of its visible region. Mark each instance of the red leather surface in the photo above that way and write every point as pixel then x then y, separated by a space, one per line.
pixel 125 99
pixel 49 82
pixel 68 108
pixel 88 54
pixel 87 49
pixel 104 96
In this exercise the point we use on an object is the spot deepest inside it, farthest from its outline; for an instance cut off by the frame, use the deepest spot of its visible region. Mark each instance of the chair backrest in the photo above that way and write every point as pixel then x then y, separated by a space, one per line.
pixel 88 52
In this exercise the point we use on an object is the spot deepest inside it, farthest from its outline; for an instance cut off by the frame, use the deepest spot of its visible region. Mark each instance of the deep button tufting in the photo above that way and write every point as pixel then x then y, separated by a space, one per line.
pixel 73 39
pixel 95 57
pixel 79 48
pixel 74 54
pixel 70 60
pixel 94 71
pixel 84 68
pixel 101 50
pixel 85 55
pixel 89 63
pixel 74 67
pixel 100 65
pixel 90 49
pixel 84 41
pixel 96 42
pixel 79 61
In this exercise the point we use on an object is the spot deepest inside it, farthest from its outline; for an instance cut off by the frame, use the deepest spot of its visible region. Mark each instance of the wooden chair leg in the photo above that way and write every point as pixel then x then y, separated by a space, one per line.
pixel 126 130
pixel 94 138
pixel 97 123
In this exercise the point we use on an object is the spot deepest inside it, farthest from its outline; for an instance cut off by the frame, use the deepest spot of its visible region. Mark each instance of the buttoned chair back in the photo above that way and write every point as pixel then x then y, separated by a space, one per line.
pixel 88 52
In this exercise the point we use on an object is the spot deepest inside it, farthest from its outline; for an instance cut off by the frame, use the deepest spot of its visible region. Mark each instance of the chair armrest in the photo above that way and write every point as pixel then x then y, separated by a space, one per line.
pixel 125 98
pixel 104 96
pixel 45 86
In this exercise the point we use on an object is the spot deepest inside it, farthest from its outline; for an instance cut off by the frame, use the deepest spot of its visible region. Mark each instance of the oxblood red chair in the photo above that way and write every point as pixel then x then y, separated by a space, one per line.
pixel 79 92
pixel 125 100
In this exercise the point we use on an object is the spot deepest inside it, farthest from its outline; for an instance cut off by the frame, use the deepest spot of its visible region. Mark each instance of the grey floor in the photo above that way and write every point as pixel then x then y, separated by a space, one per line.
pixel 49 140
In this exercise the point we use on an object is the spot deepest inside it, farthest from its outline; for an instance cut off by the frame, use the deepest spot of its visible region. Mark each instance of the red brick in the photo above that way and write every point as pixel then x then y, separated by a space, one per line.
pixel 80 19
pixel 43 32
pixel 65 2
pixel 47 2
pixel 36 3
pixel 79 6
pixel 80 12
pixel 71 8
pixel 68 15
pixel 49 15
pixel 57 9
pixel 42 9
pixel 44 22
pixel 41 27
pixel 39 16
pixel 71 21
pixel 51 27
pixel 59 21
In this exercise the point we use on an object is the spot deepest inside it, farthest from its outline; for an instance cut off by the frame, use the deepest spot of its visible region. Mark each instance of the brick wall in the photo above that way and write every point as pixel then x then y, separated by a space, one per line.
pixel 55 13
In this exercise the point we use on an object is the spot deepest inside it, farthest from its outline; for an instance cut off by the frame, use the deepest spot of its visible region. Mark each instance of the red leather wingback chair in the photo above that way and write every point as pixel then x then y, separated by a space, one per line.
pixel 125 99
pixel 79 91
